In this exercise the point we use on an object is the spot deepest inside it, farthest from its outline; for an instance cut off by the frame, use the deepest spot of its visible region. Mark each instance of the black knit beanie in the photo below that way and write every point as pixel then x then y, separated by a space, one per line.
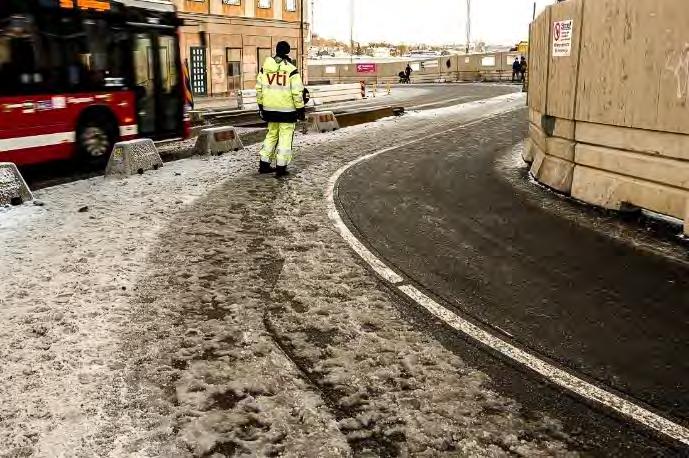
pixel 282 49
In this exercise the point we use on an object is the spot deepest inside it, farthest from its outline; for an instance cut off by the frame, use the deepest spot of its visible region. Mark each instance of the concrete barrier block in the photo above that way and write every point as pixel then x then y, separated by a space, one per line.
pixel 557 127
pixel 615 192
pixel 197 116
pixel 666 144
pixel 13 188
pixel 133 156
pixel 218 140
pixel 564 128
pixel 555 173
pixel 643 166
pixel 538 158
pixel 597 188
pixel 322 121
pixel 534 116
pixel 559 147
pixel 528 151
pixel 537 136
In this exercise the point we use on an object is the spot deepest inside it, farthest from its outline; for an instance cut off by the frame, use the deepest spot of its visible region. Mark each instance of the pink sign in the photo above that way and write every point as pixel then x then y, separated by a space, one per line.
pixel 365 68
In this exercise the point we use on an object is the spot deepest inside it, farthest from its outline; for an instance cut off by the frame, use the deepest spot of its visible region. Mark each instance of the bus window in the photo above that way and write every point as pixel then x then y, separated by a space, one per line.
pixel 19 54
pixel 63 55
pixel 103 54
pixel 94 55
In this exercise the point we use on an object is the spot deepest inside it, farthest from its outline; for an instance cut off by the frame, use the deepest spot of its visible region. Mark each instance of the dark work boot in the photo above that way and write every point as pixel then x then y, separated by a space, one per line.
pixel 265 167
pixel 281 171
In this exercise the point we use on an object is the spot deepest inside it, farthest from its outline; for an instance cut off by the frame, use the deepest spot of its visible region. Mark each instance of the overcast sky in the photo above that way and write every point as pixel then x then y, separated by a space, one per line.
pixel 426 21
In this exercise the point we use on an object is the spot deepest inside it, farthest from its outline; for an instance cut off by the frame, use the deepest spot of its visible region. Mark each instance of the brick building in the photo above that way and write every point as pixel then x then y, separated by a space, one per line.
pixel 226 41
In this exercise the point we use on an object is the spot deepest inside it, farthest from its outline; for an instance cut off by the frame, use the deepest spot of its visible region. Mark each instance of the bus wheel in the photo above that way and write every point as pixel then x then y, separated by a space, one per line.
pixel 96 138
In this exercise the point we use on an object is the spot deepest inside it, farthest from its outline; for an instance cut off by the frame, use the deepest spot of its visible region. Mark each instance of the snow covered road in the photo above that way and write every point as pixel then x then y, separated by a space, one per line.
pixel 202 310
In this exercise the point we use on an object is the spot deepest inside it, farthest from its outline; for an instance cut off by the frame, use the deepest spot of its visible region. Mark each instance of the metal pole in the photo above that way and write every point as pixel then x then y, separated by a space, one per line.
pixel 301 38
pixel 468 25
pixel 351 32
pixel 534 11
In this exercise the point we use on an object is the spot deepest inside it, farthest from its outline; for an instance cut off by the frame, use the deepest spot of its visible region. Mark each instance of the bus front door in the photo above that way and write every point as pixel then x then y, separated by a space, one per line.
pixel 144 83
pixel 157 85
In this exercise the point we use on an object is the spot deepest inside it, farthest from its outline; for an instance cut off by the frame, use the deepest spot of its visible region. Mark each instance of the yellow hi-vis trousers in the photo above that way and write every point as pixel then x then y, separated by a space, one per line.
pixel 278 143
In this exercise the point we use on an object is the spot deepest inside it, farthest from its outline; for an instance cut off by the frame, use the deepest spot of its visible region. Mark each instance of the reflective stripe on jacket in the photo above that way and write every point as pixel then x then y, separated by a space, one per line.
pixel 280 90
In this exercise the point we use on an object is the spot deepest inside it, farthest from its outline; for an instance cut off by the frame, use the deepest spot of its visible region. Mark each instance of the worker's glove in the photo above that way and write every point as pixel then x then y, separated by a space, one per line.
pixel 301 114
pixel 260 111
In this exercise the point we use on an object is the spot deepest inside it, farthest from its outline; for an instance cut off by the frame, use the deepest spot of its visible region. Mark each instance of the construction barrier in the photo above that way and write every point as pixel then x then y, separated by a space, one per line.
pixel 13 188
pixel 322 121
pixel 217 140
pixel 489 66
pixel 132 157
pixel 320 95
pixel 196 116
pixel 246 99
pixel 601 136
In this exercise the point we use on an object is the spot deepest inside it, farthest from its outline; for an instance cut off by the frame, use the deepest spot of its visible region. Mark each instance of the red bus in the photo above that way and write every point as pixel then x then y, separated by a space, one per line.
pixel 76 76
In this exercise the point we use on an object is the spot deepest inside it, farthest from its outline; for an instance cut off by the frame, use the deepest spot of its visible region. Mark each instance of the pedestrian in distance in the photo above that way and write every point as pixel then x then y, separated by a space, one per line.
pixel 407 73
pixel 280 95
pixel 516 69
pixel 523 67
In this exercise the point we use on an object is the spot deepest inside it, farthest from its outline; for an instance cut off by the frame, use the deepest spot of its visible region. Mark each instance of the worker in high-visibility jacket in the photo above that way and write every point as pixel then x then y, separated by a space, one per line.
pixel 280 97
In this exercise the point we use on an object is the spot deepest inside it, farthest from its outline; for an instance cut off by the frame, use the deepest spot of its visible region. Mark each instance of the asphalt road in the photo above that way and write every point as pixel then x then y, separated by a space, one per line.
pixel 446 217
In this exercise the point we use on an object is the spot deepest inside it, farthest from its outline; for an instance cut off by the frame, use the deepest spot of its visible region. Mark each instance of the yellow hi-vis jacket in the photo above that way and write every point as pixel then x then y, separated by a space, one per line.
pixel 279 90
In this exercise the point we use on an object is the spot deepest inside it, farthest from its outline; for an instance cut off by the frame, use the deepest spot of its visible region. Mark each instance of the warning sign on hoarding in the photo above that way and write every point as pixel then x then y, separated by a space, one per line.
pixel 365 68
pixel 562 38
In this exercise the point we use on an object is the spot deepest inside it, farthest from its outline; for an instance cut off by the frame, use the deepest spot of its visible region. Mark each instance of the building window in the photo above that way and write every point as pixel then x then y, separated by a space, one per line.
pixel 231 2
pixel 291 5
pixel 265 3
pixel 262 54
pixel 234 69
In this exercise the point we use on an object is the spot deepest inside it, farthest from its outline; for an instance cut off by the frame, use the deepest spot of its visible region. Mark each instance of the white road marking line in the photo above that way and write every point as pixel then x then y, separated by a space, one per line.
pixel 439 102
pixel 550 372
pixel 375 263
